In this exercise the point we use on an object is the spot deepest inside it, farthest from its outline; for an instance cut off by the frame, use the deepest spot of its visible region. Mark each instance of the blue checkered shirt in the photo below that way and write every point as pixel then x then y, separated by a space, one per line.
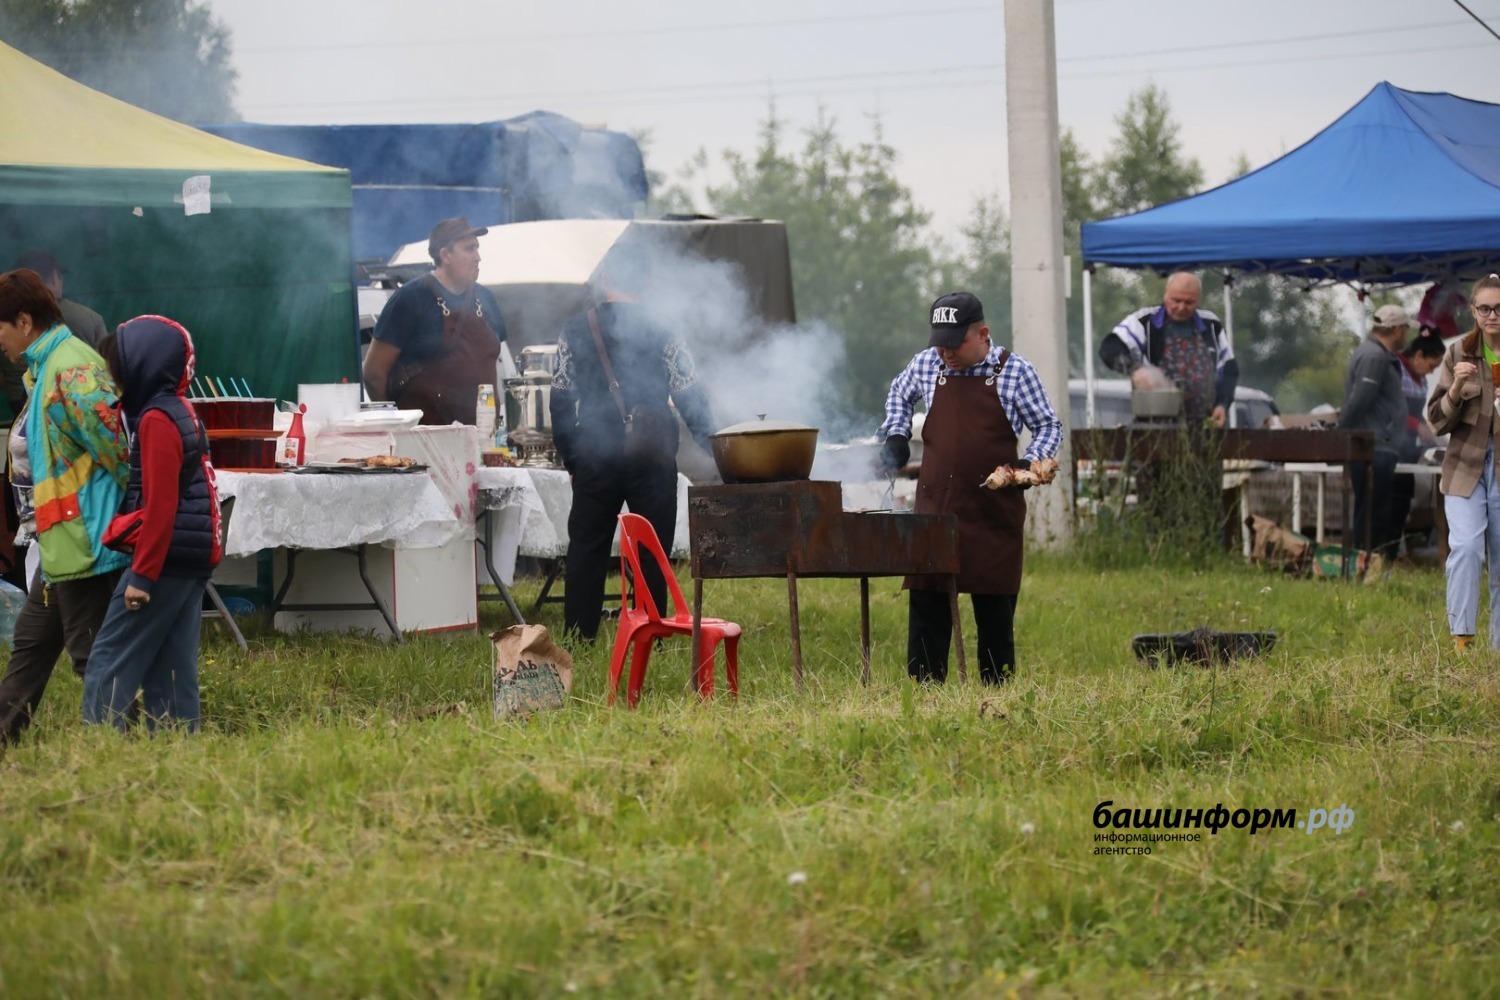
pixel 1018 386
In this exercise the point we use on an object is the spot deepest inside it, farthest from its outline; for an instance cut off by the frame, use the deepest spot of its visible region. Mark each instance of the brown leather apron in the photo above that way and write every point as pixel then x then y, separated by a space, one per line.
pixel 965 436
pixel 446 387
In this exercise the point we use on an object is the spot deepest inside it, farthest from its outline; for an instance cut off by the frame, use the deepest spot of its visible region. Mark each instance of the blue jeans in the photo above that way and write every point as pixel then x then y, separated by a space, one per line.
pixel 1473 536
pixel 153 650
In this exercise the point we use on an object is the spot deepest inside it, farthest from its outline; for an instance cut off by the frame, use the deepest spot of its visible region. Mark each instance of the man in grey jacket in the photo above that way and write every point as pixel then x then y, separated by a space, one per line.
pixel 1374 401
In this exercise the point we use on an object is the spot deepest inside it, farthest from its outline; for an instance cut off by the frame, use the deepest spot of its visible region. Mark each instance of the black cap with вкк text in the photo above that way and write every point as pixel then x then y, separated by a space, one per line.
pixel 952 315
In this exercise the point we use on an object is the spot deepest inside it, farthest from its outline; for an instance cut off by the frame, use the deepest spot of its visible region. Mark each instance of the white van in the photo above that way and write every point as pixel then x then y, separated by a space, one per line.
pixel 1252 407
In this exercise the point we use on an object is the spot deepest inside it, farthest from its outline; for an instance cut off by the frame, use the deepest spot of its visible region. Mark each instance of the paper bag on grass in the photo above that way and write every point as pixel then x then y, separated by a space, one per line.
pixel 1273 545
pixel 531 671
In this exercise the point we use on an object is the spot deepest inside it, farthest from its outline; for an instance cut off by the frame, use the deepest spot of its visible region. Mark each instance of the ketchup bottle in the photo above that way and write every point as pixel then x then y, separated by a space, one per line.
pixel 296 440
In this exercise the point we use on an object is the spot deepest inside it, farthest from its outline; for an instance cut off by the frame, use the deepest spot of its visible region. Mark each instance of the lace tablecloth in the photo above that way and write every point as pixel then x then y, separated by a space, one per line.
pixel 544 498
pixel 336 510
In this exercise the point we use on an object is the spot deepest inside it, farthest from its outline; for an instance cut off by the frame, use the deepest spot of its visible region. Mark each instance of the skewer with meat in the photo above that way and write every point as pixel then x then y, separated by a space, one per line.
pixel 1045 470
pixel 1005 477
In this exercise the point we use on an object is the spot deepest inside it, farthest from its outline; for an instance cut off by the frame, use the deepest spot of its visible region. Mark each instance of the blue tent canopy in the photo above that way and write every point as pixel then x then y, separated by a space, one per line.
pixel 406 177
pixel 1403 188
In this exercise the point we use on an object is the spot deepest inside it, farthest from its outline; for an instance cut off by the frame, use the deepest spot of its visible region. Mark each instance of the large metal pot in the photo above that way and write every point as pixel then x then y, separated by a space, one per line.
pixel 1156 404
pixel 764 451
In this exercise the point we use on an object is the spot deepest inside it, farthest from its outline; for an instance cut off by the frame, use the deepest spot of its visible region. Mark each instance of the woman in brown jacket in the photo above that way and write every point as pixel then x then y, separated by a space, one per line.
pixel 1463 407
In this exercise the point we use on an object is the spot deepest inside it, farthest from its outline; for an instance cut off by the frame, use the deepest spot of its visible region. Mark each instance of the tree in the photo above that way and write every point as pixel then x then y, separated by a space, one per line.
pixel 860 248
pixel 1145 165
pixel 1114 292
pixel 167 56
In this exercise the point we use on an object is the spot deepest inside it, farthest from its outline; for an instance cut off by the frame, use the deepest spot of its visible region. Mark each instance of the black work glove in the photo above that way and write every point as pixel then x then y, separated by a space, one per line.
pixel 894 455
pixel 1021 465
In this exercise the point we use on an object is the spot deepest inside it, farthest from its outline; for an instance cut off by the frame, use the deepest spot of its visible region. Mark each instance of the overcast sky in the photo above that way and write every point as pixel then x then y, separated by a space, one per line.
pixel 1254 78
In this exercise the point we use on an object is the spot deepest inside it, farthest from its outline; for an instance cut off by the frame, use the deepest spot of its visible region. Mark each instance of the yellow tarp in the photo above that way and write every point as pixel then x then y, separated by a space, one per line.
pixel 49 120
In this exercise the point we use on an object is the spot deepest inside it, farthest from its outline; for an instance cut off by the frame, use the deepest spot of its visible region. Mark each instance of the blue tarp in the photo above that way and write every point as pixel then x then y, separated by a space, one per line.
pixel 1403 188
pixel 406 177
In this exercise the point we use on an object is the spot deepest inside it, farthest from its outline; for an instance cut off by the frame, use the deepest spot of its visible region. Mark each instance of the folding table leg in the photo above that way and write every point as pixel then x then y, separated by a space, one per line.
pixel 377 603
pixel 234 627
pixel 286 585
pixel 553 571
pixel 487 543
pixel 385 612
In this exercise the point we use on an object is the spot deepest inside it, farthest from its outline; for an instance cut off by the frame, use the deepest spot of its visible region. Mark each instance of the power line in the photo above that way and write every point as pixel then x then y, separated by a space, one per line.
pixel 676 29
pixel 1320 57
pixel 733 26
pixel 1260 43
pixel 1476 17
pixel 812 86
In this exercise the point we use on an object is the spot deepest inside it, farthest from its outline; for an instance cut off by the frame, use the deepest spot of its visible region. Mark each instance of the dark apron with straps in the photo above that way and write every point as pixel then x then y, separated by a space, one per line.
pixel 1193 362
pixel 446 387
pixel 966 435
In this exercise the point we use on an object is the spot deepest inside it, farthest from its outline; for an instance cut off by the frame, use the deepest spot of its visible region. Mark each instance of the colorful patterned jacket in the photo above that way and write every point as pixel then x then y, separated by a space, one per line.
pixel 79 461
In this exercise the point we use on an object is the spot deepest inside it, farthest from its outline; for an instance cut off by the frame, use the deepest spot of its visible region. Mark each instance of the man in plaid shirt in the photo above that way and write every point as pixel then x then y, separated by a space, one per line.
pixel 979 397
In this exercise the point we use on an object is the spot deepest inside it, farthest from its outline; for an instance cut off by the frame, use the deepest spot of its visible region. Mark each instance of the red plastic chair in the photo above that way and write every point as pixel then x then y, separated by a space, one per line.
pixel 641 624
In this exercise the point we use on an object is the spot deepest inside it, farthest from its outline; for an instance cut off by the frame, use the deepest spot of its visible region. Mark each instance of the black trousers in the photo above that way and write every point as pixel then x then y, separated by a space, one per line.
pixel 930 633
pixel 600 489
pixel 1372 505
pixel 64 615
pixel 1403 492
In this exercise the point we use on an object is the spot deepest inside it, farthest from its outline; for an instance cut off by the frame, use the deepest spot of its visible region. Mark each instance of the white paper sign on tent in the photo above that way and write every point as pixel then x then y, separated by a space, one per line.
pixel 195 195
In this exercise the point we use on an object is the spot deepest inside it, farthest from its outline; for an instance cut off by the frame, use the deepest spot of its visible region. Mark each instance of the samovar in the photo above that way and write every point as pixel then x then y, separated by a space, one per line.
pixel 529 407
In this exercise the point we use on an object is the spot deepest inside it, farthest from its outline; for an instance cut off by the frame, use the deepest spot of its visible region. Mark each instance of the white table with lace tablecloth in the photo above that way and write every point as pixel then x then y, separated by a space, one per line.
pixel 525 511
pixel 413 551
pixel 540 501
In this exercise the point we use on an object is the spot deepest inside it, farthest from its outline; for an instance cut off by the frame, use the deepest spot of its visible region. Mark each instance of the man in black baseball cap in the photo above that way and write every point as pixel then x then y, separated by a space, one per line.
pixel 979 398
pixel 952 315
pixel 439 337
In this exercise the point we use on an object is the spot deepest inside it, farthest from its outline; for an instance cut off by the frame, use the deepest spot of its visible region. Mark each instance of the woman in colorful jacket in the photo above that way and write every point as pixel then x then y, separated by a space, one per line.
pixel 170 522
pixel 78 466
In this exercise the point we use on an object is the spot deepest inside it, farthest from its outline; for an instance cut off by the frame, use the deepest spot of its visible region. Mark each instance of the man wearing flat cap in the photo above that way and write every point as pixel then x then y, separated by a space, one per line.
pixel 438 338
pixel 1374 401
pixel 979 399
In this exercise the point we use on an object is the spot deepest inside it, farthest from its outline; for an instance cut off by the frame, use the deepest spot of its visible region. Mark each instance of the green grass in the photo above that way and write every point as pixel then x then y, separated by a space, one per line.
pixel 352 822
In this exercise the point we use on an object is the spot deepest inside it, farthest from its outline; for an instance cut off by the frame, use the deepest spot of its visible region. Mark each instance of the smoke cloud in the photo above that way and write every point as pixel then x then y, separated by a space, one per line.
pixel 750 367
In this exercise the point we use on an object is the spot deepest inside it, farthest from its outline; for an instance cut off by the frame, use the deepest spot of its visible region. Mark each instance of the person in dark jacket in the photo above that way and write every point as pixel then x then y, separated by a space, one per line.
pixel 1420 359
pixel 170 522
pixel 651 365
pixel 1375 401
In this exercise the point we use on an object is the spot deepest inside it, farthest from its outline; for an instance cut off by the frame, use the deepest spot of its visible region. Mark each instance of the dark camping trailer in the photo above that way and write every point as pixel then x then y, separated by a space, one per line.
pixel 406 177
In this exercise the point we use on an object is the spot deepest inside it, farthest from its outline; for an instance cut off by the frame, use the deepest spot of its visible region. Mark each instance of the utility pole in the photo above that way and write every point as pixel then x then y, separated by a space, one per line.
pixel 1038 316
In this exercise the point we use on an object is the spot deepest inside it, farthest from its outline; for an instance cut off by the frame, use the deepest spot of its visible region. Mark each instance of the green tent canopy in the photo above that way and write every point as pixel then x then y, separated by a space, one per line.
pixel 262 279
